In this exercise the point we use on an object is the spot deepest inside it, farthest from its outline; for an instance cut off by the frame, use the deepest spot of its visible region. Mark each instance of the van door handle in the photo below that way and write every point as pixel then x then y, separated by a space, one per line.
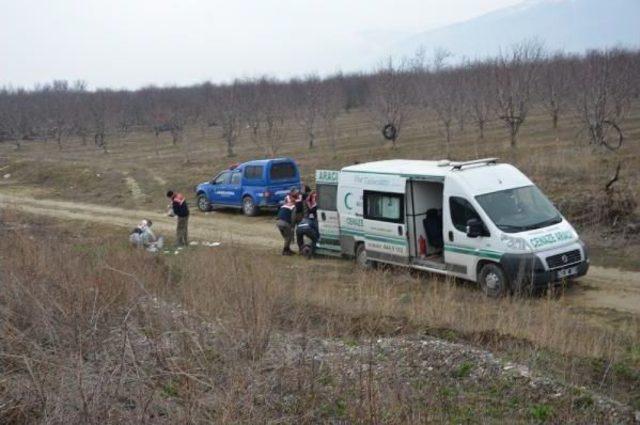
pixel 400 230
pixel 323 216
pixel 450 236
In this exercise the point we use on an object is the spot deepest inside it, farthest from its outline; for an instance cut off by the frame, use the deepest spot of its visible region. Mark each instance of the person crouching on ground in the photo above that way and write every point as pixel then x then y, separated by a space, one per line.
pixel 143 237
pixel 285 223
pixel 308 228
pixel 180 209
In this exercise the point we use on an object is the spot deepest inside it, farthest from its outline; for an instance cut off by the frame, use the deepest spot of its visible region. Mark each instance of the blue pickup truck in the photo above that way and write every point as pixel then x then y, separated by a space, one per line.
pixel 250 186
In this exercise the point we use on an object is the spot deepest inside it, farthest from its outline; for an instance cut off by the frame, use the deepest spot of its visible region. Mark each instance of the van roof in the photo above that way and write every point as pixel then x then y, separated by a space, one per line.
pixel 475 175
pixel 405 167
pixel 265 161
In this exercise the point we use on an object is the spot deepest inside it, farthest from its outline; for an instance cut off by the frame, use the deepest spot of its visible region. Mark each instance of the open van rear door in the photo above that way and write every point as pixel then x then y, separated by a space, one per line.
pixel 328 219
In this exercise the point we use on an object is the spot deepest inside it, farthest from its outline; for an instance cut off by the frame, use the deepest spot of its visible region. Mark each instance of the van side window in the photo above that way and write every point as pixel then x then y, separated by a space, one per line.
pixel 461 212
pixel 253 172
pixel 223 178
pixel 327 197
pixel 384 206
pixel 282 171
pixel 236 177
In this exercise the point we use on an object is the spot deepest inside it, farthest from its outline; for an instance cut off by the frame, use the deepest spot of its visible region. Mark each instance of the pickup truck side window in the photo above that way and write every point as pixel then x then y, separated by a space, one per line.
pixel 461 212
pixel 223 178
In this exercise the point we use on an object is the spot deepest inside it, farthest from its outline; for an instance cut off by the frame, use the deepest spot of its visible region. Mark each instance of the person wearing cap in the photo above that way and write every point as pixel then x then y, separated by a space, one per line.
pixel 285 223
pixel 180 209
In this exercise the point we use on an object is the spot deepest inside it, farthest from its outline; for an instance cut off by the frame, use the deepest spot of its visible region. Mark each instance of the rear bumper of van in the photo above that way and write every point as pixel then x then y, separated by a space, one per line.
pixel 527 271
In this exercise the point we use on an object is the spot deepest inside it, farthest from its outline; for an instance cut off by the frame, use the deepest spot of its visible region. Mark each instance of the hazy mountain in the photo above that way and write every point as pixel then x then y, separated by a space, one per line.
pixel 570 25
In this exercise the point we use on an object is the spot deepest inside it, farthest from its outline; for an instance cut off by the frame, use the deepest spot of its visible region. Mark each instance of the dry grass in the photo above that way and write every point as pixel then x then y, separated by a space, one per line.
pixel 559 161
pixel 93 332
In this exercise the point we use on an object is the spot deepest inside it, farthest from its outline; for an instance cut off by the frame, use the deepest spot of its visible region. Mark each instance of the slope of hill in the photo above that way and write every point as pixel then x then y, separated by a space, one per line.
pixel 570 25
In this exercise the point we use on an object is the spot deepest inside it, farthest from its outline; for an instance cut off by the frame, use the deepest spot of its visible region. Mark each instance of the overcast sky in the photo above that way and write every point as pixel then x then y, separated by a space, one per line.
pixel 131 43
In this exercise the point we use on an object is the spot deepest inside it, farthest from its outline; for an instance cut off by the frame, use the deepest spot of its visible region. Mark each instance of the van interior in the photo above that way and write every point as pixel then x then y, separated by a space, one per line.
pixel 424 222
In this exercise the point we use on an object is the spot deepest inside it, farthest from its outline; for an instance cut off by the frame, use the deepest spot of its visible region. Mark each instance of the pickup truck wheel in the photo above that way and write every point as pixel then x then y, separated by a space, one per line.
pixel 203 203
pixel 249 207
pixel 493 281
pixel 361 258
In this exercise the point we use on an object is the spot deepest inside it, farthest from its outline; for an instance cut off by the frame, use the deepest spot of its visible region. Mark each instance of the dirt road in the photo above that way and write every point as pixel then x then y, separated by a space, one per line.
pixel 602 288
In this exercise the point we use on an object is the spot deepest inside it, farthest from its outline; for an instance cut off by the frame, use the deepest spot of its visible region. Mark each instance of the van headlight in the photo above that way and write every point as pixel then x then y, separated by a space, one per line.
pixel 515 243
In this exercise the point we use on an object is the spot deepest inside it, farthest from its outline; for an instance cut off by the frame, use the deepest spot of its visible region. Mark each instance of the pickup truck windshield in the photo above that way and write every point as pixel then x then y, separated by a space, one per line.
pixel 520 209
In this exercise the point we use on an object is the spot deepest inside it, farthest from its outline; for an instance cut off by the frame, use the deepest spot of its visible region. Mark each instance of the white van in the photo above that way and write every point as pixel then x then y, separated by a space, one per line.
pixel 477 220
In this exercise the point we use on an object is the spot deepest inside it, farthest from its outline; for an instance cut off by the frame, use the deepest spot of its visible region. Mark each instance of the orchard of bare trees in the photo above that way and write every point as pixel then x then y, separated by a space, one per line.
pixel 598 88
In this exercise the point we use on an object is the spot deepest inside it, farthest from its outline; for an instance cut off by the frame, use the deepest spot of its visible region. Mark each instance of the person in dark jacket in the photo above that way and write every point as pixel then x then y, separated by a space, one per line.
pixel 180 209
pixel 286 223
pixel 308 228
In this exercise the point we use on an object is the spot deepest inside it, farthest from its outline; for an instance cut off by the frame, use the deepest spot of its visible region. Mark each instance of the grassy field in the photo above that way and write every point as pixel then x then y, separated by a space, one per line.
pixel 140 167
pixel 92 330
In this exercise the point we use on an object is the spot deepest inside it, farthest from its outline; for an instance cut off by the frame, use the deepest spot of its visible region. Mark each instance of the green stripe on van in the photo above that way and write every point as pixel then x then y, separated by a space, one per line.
pixel 483 253
pixel 379 238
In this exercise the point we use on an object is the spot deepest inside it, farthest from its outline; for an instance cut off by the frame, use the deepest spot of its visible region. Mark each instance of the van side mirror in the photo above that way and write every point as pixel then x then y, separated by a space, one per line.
pixel 475 228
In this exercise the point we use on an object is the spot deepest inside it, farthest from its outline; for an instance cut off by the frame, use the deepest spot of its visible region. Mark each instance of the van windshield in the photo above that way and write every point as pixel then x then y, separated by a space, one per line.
pixel 519 209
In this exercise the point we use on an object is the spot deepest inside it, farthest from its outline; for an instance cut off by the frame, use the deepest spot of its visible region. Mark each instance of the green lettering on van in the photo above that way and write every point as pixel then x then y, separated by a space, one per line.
pixel 355 221
pixel 327 176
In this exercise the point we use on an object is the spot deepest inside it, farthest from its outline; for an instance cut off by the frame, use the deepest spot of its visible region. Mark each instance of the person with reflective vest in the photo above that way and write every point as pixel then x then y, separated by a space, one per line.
pixel 180 209
pixel 294 196
pixel 286 223
pixel 311 204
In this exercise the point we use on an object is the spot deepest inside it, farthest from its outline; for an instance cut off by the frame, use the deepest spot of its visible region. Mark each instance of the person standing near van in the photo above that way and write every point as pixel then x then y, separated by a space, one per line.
pixel 311 203
pixel 180 209
pixel 286 224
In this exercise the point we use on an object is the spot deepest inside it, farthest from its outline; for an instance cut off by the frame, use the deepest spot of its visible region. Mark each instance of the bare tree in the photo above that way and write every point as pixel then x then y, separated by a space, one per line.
pixel 481 96
pixel 444 91
pixel 603 95
pixel 229 114
pixel 516 74
pixel 306 110
pixel 99 109
pixel 390 100
pixel 554 85
pixel 331 103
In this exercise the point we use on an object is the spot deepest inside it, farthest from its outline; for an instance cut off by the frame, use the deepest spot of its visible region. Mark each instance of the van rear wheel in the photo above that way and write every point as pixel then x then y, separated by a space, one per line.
pixel 493 281
pixel 361 258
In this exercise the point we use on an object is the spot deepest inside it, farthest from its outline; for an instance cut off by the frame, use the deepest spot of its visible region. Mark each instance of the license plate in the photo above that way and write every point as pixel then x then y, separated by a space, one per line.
pixel 567 272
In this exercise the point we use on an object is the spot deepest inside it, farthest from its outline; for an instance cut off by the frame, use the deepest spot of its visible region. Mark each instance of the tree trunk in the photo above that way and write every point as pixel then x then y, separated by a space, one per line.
pixel 448 139
pixel 513 136
pixel 230 153
pixel 311 139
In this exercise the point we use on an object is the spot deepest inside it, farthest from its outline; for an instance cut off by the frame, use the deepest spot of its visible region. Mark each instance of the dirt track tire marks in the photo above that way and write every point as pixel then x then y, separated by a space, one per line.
pixel 233 228
pixel 602 288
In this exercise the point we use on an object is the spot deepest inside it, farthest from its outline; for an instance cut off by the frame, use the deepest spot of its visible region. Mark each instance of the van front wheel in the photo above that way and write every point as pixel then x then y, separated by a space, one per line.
pixel 493 281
